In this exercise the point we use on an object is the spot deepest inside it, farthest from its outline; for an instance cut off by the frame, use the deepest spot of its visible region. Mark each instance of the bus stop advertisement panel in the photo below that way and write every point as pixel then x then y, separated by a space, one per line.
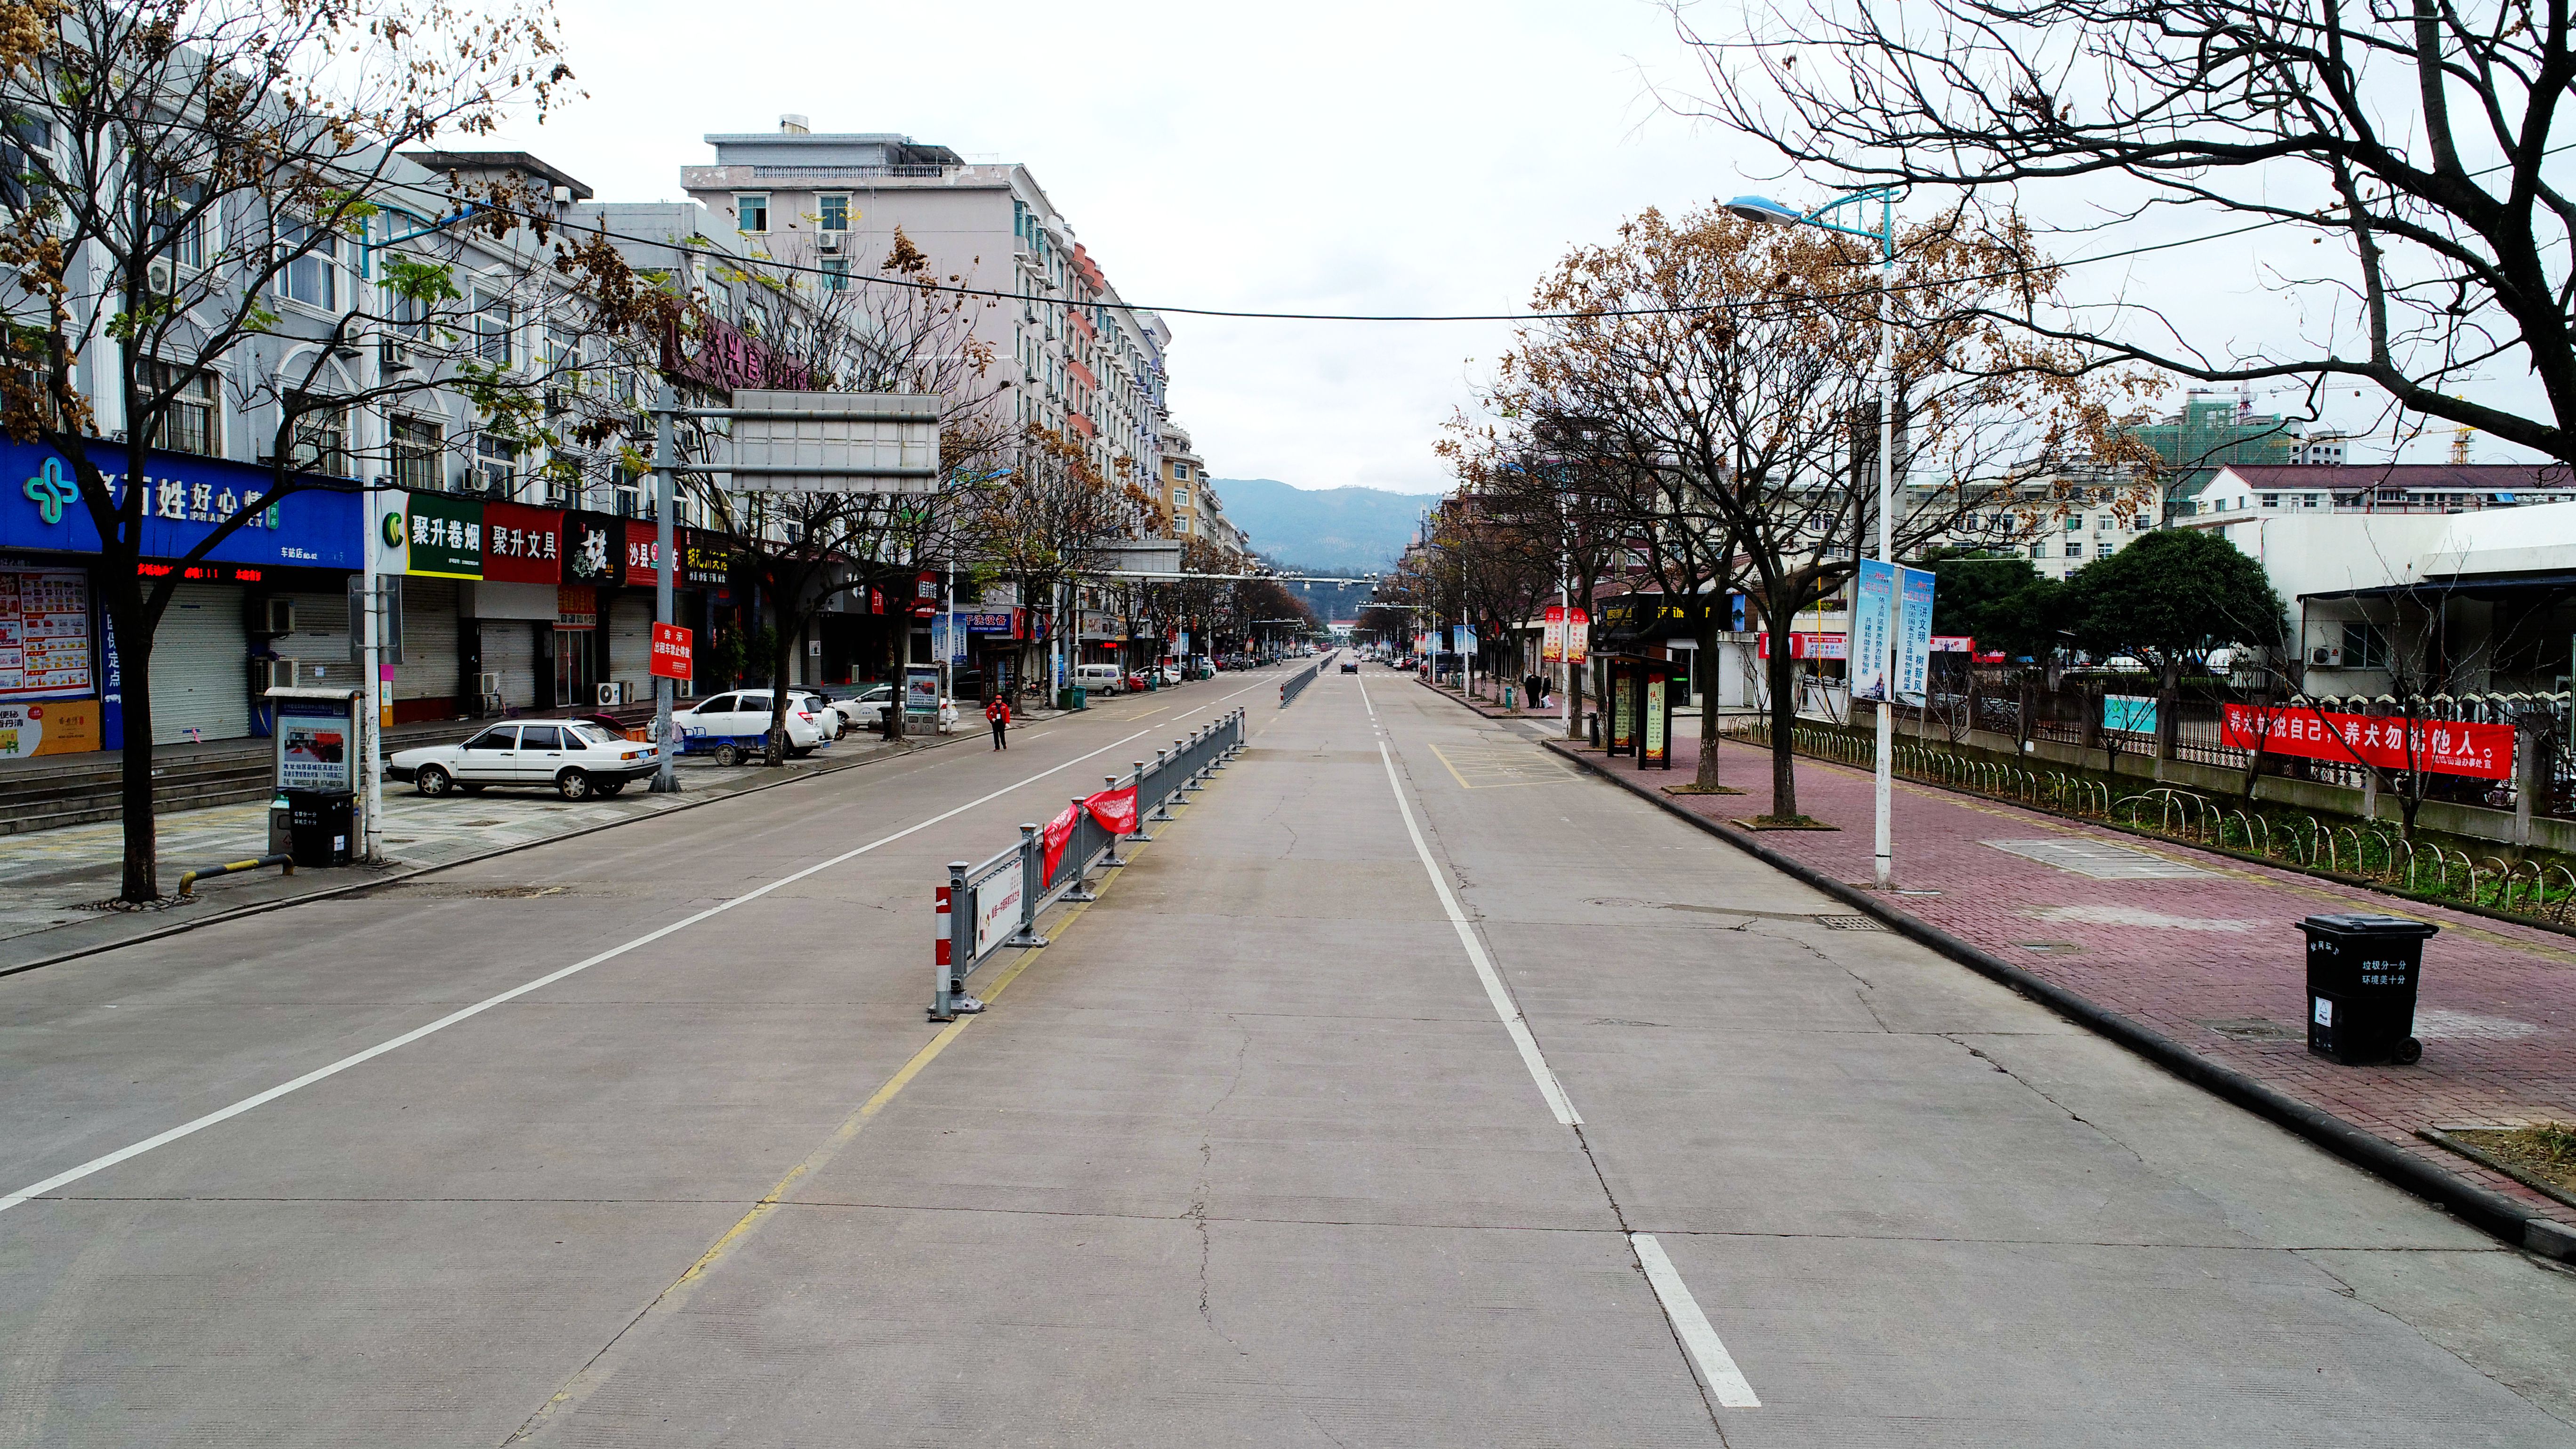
pixel 314 753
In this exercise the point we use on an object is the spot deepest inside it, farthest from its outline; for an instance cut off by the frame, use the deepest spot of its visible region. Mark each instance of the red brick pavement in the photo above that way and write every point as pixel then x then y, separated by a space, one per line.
pixel 2496 1011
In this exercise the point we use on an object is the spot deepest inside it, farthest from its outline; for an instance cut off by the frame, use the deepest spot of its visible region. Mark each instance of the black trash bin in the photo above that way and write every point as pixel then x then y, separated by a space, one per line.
pixel 320 824
pixel 2362 974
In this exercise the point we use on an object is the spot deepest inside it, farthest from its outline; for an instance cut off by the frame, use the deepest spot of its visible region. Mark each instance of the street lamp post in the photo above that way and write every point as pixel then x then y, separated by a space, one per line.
pixel 1763 209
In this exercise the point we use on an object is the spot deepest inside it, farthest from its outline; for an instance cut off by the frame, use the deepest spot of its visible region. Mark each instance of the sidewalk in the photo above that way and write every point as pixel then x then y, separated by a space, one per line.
pixel 2201 948
pixel 57 877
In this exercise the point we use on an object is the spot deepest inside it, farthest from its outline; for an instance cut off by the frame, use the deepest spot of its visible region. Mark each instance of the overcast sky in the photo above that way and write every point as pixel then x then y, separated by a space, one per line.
pixel 1387 156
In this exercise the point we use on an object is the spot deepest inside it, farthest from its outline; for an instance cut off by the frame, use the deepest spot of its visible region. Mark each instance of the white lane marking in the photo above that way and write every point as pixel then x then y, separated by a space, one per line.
pixel 1364 699
pixel 1716 1366
pixel 1539 1070
pixel 225 1114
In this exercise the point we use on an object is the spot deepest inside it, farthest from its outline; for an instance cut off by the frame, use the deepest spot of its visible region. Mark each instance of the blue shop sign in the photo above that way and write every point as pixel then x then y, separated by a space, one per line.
pixel 314 528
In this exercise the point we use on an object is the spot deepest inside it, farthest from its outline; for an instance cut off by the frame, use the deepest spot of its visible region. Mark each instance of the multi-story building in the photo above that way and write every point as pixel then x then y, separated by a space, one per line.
pixel 1073 356
pixel 2213 430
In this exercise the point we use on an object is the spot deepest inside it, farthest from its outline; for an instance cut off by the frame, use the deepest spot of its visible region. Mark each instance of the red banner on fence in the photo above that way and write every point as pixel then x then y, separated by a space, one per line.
pixel 1058 831
pixel 1115 810
pixel 2438 746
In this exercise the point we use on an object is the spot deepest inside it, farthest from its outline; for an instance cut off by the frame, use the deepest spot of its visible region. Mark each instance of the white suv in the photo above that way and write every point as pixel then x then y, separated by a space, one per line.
pixel 746 713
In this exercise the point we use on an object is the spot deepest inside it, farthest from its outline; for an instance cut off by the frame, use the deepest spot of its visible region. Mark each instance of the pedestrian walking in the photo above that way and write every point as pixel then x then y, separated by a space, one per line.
pixel 999 713
pixel 1533 689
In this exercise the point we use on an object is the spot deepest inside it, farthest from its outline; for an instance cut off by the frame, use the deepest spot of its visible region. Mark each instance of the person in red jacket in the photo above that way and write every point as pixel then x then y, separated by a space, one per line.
pixel 999 713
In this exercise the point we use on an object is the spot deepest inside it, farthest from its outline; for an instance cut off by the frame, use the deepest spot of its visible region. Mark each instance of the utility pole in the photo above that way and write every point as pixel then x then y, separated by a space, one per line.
pixel 668 403
pixel 371 735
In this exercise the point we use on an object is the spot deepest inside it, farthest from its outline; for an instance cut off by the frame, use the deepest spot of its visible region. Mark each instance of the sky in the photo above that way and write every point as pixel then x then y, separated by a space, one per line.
pixel 1405 157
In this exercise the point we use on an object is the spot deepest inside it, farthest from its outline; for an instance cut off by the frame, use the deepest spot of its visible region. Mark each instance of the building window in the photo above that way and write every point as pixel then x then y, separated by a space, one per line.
pixel 2271 500
pixel 1180 470
pixel 2039 550
pixel 836 274
pixel 2074 549
pixel 496 319
pixel 496 466
pixel 188 424
pixel 2364 646
pixel 1180 498
pixel 321 434
pixel 751 211
pixel 832 213
pixel 420 454
pixel 312 274
pixel 2074 522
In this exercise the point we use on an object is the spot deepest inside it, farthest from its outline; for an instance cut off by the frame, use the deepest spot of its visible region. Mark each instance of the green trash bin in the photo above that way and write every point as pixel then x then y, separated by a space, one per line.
pixel 1071 697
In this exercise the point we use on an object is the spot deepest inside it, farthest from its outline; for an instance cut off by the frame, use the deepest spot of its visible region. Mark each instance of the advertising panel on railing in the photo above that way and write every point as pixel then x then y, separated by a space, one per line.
pixel 2435 746
pixel 996 894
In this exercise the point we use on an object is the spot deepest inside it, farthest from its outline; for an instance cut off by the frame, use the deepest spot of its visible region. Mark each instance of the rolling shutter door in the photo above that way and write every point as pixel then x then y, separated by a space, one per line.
pixel 630 643
pixel 428 670
pixel 510 651
pixel 201 667
pixel 320 642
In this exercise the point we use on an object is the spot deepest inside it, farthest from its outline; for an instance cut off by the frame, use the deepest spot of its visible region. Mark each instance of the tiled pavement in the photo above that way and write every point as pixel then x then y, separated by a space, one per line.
pixel 2200 947
pixel 57 875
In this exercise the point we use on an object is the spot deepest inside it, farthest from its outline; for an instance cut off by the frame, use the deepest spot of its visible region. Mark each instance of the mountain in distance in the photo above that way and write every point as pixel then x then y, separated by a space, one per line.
pixel 1324 530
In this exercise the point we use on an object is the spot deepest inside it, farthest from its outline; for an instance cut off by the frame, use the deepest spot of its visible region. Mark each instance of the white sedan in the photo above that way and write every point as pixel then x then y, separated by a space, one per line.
pixel 575 758
pixel 866 709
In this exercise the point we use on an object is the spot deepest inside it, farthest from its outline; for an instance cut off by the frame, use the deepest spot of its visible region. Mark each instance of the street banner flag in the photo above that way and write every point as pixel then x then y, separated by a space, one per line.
pixel 1115 810
pixel 1552 645
pixel 1057 834
pixel 1872 598
pixel 2435 746
pixel 1913 635
pixel 1578 636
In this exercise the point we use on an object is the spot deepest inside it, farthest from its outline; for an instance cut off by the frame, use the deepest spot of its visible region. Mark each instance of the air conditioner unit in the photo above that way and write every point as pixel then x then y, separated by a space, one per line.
pixel 612 692
pixel 277 673
pixel 278 616
pixel 2325 656
pixel 161 277
pixel 558 400
pixel 392 356
pixel 829 242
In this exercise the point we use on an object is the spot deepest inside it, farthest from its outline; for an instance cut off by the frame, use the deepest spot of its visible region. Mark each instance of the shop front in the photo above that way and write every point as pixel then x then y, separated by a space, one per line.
pixel 62 688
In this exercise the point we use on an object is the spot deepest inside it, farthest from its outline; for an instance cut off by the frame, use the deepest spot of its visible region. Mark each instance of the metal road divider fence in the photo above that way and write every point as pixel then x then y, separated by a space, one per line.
pixel 988 907
pixel 1296 684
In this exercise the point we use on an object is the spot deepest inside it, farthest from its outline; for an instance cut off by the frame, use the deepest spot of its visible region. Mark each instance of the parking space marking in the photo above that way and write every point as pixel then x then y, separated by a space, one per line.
pixel 1500 769
pixel 226 1114
pixel 1716 1366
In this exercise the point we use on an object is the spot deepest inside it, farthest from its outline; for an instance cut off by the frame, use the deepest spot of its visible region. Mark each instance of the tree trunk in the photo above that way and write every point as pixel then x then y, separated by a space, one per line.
pixel 1782 674
pixel 142 877
pixel 1706 779
pixel 779 650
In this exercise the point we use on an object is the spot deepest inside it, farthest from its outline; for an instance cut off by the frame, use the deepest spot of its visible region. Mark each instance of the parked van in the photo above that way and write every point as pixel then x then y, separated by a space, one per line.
pixel 1100 678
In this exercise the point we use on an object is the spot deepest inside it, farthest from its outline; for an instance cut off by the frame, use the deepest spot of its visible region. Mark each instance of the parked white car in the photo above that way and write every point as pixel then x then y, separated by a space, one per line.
pixel 1101 678
pixel 575 758
pixel 746 712
pixel 866 709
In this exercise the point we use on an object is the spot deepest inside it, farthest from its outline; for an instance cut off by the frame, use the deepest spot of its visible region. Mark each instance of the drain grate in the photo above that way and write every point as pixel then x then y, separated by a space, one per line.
pixel 2253 1028
pixel 1850 923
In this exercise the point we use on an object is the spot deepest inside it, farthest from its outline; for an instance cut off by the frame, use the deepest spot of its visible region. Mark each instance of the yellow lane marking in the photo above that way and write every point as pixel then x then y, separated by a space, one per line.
pixel 582 1381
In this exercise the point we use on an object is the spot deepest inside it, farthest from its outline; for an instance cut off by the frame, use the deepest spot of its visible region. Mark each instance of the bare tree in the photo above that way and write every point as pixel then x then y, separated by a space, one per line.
pixel 1051 522
pixel 184 182
pixel 2412 140
pixel 1732 370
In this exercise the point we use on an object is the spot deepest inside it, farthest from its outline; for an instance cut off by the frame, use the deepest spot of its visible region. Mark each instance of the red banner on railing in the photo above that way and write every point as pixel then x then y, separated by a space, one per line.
pixel 1115 810
pixel 2437 746
pixel 1058 831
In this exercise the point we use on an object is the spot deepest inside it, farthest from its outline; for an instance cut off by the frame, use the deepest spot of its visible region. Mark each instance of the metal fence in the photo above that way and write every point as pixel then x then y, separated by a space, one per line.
pixel 1296 683
pixel 994 904
pixel 2073 711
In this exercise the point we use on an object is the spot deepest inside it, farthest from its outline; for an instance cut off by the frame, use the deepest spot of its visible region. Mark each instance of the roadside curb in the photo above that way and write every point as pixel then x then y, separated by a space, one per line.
pixel 2512 1222
pixel 264 907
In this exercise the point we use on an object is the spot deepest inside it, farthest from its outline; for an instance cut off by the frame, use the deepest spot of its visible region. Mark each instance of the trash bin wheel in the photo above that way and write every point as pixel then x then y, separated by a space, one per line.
pixel 2408 1053
pixel 728 756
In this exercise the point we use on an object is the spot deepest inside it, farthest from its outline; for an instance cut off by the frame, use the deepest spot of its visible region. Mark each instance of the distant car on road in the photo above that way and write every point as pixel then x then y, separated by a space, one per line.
pixel 1350 664
pixel 576 758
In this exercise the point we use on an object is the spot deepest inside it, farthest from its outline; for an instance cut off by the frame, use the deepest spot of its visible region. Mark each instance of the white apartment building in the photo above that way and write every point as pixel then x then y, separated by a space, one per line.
pixel 1074 357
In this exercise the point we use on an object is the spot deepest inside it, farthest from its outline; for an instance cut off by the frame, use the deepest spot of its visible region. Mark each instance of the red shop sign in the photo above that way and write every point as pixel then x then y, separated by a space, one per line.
pixel 644 552
pixel 522 545
pixel 2435 746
